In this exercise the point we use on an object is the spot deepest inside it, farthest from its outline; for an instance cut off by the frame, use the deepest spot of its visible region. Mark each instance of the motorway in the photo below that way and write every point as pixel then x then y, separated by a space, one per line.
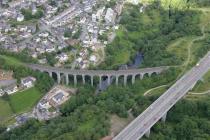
pixel 142 124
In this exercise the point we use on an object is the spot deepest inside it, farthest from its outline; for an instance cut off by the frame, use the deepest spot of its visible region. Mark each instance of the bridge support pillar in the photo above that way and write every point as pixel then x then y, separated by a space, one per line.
pixel 125 80
pixel 141 76
pixel 75 80
pixel 50 74
pixel 91 80
pixel 116 80
pixel 83 79
pixel 133 79
pixel 147 133
pixel 58 78
pixel 100 81
pixel 163 119
pixel 150 74
pixel 67 79
pixel 109 80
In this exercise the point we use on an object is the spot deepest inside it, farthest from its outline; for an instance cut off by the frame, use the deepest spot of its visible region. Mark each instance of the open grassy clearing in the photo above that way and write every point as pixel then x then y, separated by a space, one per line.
pixel 203 85
pixel 5 110
pixel 180 48
pixel 158 91
pixel 18 103
pixel 178 4
pixel 16 23
pixel 25 100
pixel 11 60
pixel 119 123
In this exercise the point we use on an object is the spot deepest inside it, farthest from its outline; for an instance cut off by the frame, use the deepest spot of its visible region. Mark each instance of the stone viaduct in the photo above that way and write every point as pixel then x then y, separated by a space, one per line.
pixel 133 73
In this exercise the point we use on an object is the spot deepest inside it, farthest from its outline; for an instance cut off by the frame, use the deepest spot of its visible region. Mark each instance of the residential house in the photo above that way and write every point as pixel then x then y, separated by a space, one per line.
pixel 63 57
pixel 28 81
pixel 20 17
pixel 1 92
pixel 58 97
pixel 110 16
pixel 44 104
pixel 11 89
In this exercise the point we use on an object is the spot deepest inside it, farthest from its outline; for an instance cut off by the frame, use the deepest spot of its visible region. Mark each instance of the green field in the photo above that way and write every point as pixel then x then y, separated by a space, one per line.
pixel 18 103
pixel 178 4
pixel 24 101
pixel 204 84
pixel 5 110
pixel 158 91
pixel 180 47
pixel 11 60
pixel 16 23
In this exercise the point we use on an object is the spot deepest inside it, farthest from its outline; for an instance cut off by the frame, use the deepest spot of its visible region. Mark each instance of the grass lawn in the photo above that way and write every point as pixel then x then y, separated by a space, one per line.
pixel 5 110
pixel 16 23
pixel 179 4
pixel 158 91
pixel 11 61
pixel 180 47
pixel 24 101
pixel 203 85
pixel 122 57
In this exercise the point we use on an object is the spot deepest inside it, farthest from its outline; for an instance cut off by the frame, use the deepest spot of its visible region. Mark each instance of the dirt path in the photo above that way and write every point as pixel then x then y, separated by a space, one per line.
pixel 148 91
pixel 200 93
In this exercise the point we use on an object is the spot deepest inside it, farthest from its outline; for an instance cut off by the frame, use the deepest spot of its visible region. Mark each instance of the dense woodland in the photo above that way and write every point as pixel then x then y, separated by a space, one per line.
pixel 201 3
pixel 150 33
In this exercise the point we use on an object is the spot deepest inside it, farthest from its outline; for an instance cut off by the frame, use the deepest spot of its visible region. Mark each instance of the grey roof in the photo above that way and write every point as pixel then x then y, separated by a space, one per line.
pixel 10 87
pixel 28 79
pixel 59 96
pixel 43 101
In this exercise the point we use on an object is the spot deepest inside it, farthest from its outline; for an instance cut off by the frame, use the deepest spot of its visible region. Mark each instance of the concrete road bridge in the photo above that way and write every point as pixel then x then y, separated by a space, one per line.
pixel 158 110
pixel 101 74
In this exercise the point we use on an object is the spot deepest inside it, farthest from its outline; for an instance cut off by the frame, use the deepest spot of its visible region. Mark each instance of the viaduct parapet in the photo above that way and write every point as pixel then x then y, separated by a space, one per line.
pixel 108 74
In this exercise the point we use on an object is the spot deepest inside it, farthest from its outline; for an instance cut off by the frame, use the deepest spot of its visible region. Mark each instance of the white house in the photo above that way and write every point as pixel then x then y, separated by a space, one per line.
pixel 93 58
pixel 34 9
pixel 63 57
pixel 44 104
pixel 28 81
pixel 50 49
pixel 20 17
pixel 100 13
pixel 110 16
pixel 11 89
pixel 58 97
pixel 1 92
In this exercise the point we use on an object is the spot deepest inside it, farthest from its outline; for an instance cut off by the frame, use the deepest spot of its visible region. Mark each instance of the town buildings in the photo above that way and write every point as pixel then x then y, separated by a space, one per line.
pixel 86 22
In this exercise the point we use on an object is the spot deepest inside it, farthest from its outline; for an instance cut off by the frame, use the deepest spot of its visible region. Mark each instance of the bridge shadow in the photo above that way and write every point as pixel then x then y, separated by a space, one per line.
pixel 121 80
pixel 54 76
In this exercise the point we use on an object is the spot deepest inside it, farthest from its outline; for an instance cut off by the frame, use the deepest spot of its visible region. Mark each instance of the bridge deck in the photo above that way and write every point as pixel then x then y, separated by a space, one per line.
pixel 98 72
